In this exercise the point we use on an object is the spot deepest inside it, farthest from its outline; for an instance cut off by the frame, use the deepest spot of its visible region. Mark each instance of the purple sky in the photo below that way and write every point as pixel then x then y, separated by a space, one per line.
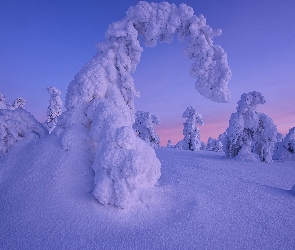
pixel 45 43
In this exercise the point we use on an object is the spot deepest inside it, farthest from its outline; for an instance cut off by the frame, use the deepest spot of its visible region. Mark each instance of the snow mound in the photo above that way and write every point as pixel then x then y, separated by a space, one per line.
pixel 203 199
pixel 16 126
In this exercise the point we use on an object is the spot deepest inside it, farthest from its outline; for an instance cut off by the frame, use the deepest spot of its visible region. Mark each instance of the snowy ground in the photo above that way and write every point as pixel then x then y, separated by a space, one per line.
pixel 203 201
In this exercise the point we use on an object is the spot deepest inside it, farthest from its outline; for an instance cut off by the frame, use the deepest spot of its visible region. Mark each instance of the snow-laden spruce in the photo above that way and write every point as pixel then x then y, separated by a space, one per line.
pixel 143 126
pixel 191 132
pixel 54 109
pixel 169 144
pixel 101 96
pixel 214 145
pixel 285 149
pixel 18 125
pixel 250 131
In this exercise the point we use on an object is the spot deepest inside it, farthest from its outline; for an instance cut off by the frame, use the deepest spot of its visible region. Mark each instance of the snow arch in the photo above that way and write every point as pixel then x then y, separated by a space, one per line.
pixel 101 96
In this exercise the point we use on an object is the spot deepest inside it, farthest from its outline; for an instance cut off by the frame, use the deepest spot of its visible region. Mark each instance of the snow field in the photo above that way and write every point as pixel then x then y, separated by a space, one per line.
pixel 203 200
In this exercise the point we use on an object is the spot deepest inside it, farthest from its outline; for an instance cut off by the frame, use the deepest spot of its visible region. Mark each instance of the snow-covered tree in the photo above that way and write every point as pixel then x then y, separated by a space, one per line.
pixel 143 126
pixel 3 104
pixel 101 96
pixel 203 145
pixel 250 131
pixel 18 125
pixel 191 132
pixel 18 103
pixel 169 144
pixel 54 109
pixel 214 145
pixel 285 149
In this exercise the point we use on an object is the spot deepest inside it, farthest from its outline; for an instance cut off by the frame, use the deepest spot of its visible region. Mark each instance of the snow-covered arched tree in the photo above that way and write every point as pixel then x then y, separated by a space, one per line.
pixel 101 96
pixel 143 126
pixel 191 132
pixel 54 109
pixel 285 149
pixel 250 131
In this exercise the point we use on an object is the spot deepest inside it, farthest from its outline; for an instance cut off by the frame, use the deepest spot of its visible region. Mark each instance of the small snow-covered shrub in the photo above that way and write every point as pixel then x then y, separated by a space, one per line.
pixel 3 104
pixel 144 128
pixel 285 149
pixel 214 145
pixel 18 103
pixel 54 109
pixel 191 132
pixel 169 144
pixel 250 131
pixel 18 125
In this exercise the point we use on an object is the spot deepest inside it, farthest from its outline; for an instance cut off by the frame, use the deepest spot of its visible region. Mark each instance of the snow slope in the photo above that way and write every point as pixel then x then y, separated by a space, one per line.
pixel 203 201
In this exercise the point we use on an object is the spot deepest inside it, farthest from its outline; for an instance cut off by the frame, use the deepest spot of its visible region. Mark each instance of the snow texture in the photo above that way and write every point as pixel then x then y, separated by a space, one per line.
pixel 203 201
pixel 143 126
pixel 18 126
pixel 101 96
pixel 250 131
pixel 214 145
pixel 285 149
pixel 191 132
pixel 54 109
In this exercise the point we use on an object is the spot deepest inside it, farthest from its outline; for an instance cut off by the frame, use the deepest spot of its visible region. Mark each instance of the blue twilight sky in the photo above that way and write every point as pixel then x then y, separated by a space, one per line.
pixel 45 43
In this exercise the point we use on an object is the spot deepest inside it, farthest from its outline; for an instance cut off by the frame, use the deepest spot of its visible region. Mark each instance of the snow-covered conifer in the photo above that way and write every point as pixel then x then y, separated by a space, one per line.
pixel 285 149
pixel 18 125
pixel 18 103
pixel 3 104
pixel 191 132
pixel 105 85
pixel 214 145
pixel 54 109
pixel 144 128
pixel 203 145
pixel 250 131
pixel 169 144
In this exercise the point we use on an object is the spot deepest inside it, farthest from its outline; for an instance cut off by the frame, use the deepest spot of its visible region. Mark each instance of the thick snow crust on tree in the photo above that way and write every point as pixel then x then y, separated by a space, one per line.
pixel 214 145
pixel 250 131
pixel 54 109
pixel 285 149
pixel 143 126
pixel 16 126
pixel 101 96
pixel 191 132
